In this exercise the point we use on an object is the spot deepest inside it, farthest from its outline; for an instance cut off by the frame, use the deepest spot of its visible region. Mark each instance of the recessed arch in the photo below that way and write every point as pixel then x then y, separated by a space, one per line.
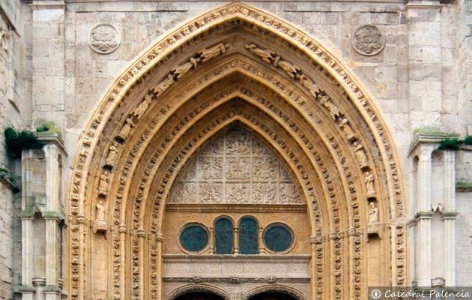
pixel 198 288
pixel 332 150
pixel 274 288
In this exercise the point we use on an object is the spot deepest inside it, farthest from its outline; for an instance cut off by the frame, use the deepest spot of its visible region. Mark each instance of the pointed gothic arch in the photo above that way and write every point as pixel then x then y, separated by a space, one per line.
pixel 236 63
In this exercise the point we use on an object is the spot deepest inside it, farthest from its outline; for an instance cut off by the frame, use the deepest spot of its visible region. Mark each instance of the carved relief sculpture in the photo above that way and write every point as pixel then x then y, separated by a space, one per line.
pixel 333 110
pixel 289 68
pixel 141 108
pixel 309 84
pixel 348 132
pixel 164 85
pixel 104 38
pixel 100 217
pixel 360 154
pixel 266 55
pixel 369 182
pixel 103 184
pixel 373 225
pixel 207 54
pixel 182 69
pixel 125 130
pixel 368 40
pixel 112 156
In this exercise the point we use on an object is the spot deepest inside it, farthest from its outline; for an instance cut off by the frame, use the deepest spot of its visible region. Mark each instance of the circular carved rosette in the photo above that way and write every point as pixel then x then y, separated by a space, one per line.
pixel 368 40
pixel 104 38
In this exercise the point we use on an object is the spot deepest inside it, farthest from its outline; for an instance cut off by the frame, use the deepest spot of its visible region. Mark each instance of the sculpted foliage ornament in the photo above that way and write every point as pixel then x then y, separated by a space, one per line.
pixel 104 38
pixel 368 40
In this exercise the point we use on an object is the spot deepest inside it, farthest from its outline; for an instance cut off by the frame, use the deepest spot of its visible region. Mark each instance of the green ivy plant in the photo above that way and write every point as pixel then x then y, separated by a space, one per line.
pixel 454 144
pixel 16 141
pixel 47 126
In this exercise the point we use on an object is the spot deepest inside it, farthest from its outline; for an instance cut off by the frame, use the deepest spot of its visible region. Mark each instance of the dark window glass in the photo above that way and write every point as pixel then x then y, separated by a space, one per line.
pixel 194 238
pixel 278 238
pixel 223 236
pixel 248 236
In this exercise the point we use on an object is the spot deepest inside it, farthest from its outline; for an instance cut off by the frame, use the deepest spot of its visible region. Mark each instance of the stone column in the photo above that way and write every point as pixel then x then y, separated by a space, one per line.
pixel 236 240
pixel 39 284
pixel 27 261
pixel 212 240
pixel 261 241
pixel 449 218
pixel 159 240
pixel 26 215
pixel 423 218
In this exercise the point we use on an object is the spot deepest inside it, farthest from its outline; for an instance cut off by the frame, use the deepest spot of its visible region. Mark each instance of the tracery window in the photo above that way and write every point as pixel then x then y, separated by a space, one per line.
pixel 248 236
pixel 224 236
pixel 194 237
pixel 278 237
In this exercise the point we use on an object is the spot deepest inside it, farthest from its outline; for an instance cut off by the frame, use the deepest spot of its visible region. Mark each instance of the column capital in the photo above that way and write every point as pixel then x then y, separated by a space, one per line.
pixel 424 215
pixel 39 281
pixel 449 215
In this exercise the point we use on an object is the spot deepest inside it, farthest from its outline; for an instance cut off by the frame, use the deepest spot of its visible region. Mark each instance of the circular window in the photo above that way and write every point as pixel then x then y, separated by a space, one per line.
pixel 194 238
pixel 278 237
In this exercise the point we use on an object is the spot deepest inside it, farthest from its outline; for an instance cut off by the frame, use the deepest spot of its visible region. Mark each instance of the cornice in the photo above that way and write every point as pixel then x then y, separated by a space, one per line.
pixel 253 208
pixel 433 139
pixel 216 258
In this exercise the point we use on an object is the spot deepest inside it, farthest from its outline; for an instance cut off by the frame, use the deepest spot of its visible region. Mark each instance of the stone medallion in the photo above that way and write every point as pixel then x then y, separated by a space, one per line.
pixel 104 38
pixel 368 40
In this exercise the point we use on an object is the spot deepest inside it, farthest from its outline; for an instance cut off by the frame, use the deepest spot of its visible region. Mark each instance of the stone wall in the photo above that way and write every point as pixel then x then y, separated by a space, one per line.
pixel 413 79
pixel 11 109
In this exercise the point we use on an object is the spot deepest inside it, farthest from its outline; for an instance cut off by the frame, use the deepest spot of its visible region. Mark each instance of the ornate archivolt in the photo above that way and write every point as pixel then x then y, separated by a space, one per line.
pixel 299 99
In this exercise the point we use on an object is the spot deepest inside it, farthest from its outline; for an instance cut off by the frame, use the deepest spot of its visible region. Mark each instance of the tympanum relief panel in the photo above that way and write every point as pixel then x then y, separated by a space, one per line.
pixel 236 167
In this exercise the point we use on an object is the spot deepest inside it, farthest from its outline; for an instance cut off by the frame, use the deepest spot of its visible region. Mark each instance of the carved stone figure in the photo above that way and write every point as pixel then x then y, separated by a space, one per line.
pixel 266 55
pixel 368 40
pixel 369 182
pixel 333 110
pixel 103 183
pixel 360 154
pixel 126 130
pixel 139 111
pixel 100 217
pixel 182 69
pixel 112 156
pixel 164 85
pixel 348 132
pixel 289 68
pixel 373 213
pixel 310 85
pixel 207 54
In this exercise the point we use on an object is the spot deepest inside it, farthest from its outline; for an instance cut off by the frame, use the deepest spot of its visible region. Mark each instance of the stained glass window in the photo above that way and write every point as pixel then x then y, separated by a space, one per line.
pixel 194 238
pixel 223 236
pixel 278 237
pixel 248 232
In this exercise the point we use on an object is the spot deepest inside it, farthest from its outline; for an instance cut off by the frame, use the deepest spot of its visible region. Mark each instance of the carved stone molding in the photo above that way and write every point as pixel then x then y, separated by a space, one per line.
pixel 94 150
pixel 104 38
pixel 368 40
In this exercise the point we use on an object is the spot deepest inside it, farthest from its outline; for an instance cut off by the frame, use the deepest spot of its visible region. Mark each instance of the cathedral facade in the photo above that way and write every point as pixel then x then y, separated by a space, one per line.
pixel 227 150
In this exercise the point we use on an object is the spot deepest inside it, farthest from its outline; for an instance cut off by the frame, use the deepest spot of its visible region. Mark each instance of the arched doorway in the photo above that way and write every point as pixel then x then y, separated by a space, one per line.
pixel 272 296
pixel 235 64
pixel 199 296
